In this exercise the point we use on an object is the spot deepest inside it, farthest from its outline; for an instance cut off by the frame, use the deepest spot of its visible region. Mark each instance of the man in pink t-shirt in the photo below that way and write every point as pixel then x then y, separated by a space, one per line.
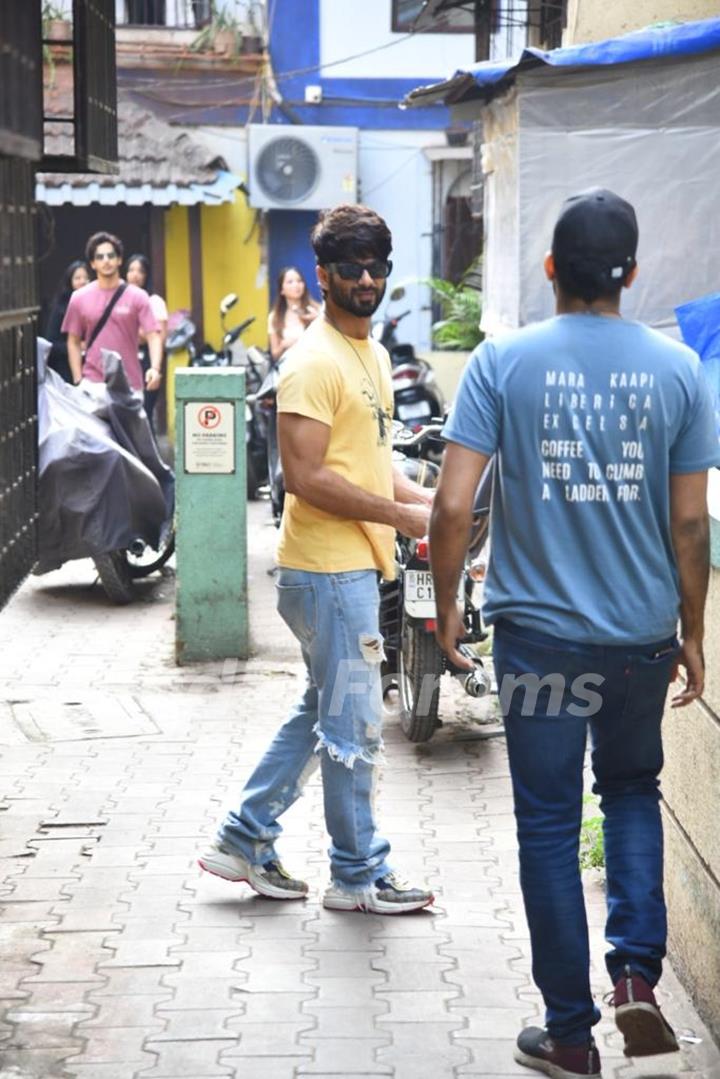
pixel 130 314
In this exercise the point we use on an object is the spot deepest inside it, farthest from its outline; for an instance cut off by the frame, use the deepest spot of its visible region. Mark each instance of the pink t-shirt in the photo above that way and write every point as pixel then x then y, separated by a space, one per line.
pixel 131 313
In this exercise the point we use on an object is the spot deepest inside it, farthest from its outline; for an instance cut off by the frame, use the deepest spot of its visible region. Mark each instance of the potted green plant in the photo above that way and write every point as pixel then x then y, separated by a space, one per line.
pixel 56 26
pixel 461 306
pixel 223 33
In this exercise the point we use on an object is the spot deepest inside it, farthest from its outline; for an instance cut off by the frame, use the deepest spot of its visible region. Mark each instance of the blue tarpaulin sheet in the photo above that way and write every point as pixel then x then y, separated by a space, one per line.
pixel 651 43
pixel 699 322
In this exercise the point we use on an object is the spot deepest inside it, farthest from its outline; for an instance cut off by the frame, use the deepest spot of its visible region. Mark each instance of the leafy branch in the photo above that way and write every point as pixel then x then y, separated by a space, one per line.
pixel 461 307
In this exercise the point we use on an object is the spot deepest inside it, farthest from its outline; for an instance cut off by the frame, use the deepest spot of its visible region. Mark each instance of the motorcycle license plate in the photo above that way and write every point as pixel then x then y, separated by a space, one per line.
pixel 418 412
pixel 419 593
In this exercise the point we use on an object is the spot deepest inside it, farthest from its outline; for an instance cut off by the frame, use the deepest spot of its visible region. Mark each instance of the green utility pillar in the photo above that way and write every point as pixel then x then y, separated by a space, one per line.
pixel 211 515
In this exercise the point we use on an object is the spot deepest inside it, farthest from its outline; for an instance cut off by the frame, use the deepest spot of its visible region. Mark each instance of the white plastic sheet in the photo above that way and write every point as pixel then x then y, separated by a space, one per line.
pixel 649 131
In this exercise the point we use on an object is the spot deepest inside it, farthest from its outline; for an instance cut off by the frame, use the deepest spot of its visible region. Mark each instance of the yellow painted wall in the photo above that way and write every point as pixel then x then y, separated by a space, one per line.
pixel 177 285
pixel 231 260
pixel 231 257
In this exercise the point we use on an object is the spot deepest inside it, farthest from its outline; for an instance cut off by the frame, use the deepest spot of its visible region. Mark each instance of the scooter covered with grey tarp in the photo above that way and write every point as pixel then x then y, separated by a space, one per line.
pixel 104 492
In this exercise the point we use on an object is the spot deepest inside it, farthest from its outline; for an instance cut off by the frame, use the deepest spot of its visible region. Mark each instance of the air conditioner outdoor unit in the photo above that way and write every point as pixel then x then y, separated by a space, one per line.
pixel 302 168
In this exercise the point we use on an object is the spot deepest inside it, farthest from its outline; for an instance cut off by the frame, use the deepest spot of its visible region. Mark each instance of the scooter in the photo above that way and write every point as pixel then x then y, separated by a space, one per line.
pixel 414 662
pixel 225 356
pixel 266 406
pixel 103 492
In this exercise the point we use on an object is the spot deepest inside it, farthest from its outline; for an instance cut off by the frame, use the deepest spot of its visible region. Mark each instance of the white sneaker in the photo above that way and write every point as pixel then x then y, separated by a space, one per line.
pixel 269 879
pixel 387 895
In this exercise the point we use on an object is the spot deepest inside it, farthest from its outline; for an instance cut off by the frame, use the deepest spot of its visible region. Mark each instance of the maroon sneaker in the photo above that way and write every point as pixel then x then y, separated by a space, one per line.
pixel 639 1019
pixel 536 1049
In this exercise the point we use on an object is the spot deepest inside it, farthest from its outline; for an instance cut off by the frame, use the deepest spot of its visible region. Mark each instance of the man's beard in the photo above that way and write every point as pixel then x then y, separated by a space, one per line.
pixel 350 302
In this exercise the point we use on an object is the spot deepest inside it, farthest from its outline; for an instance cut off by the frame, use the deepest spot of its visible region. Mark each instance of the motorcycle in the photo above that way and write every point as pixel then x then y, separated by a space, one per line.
pixel 266 405
pixel 414 662
pixel 418 398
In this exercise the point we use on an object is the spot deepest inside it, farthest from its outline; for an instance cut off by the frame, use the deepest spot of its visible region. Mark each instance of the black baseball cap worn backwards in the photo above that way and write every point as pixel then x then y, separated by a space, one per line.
pixel 596 234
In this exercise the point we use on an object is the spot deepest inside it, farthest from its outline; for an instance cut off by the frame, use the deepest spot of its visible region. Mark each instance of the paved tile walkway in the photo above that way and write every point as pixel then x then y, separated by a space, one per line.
pixel 118 958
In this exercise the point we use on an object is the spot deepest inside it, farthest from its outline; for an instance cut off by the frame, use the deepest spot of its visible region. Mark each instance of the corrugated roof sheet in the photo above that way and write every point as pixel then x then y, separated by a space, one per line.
pixel 159 164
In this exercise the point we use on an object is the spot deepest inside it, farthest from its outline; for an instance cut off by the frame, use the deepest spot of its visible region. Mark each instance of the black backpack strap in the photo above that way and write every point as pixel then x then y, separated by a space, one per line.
pixel 102 321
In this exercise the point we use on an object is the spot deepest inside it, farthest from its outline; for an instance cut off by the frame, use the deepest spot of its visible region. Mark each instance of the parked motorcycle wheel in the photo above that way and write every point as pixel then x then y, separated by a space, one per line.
pixel 142 560
pixel 115 577
pixel 420 667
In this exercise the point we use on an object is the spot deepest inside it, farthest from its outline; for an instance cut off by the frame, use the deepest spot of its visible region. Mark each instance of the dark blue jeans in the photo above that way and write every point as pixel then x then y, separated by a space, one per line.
pixel 619 693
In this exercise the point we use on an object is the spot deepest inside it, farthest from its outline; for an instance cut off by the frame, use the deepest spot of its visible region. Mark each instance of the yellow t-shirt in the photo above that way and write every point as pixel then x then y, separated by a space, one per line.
pixel 325 380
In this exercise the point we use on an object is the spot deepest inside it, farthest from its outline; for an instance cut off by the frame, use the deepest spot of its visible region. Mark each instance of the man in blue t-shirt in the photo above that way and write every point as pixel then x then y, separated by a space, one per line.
pixel 602 432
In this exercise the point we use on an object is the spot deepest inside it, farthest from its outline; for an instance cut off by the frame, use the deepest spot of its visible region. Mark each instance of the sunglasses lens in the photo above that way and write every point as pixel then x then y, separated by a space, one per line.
pixel 353 271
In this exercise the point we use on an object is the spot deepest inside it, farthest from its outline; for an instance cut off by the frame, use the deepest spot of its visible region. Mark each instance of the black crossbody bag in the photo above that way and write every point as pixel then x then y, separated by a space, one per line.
pixel 102 321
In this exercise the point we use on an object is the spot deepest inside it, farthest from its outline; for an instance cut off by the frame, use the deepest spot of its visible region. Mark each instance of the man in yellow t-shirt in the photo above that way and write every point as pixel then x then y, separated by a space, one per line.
pixel 344 503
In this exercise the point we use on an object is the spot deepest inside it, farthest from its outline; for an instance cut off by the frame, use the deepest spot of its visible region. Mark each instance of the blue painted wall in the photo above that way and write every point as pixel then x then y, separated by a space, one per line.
pixel 289 245
pixel 366 103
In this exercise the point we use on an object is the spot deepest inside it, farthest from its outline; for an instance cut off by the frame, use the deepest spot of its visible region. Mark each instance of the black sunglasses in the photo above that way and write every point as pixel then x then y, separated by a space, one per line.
pixel 353 271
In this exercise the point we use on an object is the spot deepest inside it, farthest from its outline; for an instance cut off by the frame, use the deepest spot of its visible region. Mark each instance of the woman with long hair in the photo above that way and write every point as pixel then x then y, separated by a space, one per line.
pixel 76 275
pixel 137 272
pixel 294 309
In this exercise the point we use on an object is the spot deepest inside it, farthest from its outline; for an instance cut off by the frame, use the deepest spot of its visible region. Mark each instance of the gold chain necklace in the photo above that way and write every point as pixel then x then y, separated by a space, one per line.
pixel 378 411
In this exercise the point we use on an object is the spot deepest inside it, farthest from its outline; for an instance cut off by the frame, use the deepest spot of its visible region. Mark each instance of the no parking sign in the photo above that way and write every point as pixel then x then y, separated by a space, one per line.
pixel 210 437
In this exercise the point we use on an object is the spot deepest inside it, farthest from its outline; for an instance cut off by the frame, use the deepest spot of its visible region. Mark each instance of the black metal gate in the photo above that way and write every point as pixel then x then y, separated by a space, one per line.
pixel 94 148
pixel 20 128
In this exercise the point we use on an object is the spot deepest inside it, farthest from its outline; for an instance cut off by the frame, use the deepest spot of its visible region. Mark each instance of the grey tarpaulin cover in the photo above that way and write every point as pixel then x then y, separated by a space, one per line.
pixel 651 132
pixel 102 483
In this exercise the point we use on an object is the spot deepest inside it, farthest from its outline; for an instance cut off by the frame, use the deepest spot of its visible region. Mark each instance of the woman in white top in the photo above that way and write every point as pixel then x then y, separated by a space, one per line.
pixel 293 310
pixel 138 273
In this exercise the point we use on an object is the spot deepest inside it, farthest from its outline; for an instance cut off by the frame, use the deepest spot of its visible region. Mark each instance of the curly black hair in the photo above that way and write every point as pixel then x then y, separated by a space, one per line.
pixel 347 232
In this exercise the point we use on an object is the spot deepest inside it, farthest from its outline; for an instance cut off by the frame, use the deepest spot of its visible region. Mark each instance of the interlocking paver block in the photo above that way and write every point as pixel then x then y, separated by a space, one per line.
pixel 269 1039
pixel 130 1011
pixel 176 1060
pixel 342 1022
pixel 139 953
pixel 351 991
pixel 43 1030
pixel 351 965
pixel 201 1024
pixel 73 957
pixel 270 1007
pixel 495 1056
pixel 214 992
pixel 131 981
pixel 419 1006
pixel 333 1055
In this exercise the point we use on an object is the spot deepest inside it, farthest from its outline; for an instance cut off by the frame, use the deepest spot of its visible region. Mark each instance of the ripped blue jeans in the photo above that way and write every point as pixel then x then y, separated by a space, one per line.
pixel 336 724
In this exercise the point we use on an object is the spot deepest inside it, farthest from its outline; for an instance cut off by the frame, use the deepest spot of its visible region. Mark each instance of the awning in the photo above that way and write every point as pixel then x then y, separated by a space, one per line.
pixel 214 193
pixel 486 80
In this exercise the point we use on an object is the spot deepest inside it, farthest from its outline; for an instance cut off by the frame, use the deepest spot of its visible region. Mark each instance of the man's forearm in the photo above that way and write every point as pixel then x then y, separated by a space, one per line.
pixel 691 541
pixel 329 491
pixel 155 348
pixel 407 491
pixel 74 357
pixel 449 532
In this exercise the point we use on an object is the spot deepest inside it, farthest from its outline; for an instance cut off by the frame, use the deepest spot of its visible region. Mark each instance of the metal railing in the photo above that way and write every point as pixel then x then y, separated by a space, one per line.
pixel 173 14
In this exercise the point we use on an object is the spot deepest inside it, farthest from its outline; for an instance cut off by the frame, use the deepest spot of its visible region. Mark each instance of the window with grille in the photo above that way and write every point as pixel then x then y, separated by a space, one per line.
pixel 439 16
pixel 91 129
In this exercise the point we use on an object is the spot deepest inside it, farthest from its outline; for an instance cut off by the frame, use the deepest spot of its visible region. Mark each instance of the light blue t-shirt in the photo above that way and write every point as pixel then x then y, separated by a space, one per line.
pixel 588 416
